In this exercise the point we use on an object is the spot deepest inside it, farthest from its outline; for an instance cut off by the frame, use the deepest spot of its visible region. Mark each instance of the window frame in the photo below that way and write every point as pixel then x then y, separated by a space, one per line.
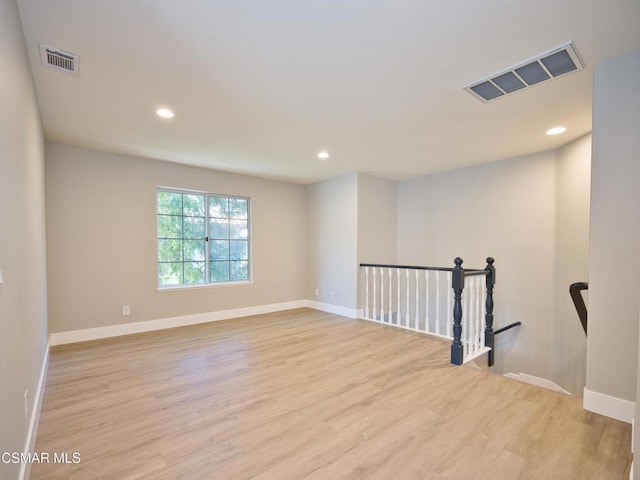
pixel 207 240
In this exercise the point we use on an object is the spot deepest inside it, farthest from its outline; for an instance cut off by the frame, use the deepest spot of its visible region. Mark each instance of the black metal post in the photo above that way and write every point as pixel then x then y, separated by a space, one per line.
pixel 457 283
pixel 489 335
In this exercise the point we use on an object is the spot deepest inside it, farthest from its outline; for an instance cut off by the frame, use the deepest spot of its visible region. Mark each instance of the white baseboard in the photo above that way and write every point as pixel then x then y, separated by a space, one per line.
pixel 36 407
pixel 335 309
pixel 618 408
pixel 537 381
pixel 74 336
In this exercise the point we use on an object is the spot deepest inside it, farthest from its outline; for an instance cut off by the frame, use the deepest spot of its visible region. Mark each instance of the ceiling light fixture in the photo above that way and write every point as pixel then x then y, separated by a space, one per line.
pixel 556 130
pixel 323 155
pixel 164 113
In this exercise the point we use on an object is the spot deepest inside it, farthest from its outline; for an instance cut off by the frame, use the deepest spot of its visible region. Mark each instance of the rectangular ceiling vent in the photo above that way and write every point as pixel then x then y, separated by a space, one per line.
pixel 59 60
pixel 541 68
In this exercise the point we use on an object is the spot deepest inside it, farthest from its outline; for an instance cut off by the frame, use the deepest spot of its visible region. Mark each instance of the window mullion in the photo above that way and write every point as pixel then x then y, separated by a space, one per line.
pixel 207 240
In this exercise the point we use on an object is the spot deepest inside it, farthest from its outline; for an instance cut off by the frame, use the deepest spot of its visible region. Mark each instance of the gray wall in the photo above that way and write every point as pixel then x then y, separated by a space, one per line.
pixel 377 219
pixel 332 219
pixel 102 246
pixel 23 317
pixel 518 211
pixel 505 209
pixel 614 282
pixel 573 178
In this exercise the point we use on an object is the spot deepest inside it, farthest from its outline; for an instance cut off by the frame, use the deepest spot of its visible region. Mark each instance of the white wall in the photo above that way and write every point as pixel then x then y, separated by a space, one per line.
pixel 332 219
pixel 23 305
pixel 614 279
pixel 102 246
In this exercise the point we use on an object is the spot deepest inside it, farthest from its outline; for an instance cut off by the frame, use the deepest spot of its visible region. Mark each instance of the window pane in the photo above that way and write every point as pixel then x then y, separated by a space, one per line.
pixel 169 226
pixel 170 274
pixel 239 271
pixel 194 250
pixel 193 227
pixel 194 272
pixel 239 250
pixel 218 207
pixel 238 229
pixel 219 271
pixel 219 250
pixel 238 208
pixel 169 250
pixel 219 228
pixel 193 205
pixel 169 203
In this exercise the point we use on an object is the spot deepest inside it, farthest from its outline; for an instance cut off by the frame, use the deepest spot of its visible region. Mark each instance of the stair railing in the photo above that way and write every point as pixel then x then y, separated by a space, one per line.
pixel 575 290
pixel 416 298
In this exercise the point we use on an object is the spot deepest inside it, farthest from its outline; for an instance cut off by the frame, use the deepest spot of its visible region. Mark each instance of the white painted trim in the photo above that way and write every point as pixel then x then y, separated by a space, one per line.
pixel 74 336
pixel 614 407
pixel 537 381
pixel 335 309
pixel 32 432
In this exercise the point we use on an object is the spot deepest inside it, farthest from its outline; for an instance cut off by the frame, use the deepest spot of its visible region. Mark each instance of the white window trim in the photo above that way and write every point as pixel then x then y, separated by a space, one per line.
pixel 250 281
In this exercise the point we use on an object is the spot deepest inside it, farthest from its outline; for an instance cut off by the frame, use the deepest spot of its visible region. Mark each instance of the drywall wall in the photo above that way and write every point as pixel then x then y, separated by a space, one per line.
pixel 377 222
pixel 377 219
pixel 23 306
pixel 332 258
pixel 614 283
pixel 101 239
pixel 504 209
pixel 573 180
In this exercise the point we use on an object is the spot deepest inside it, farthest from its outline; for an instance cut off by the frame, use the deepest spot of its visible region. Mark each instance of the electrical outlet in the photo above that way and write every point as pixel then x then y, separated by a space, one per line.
pixel 331 294
pixel 317 292
pixel 26 404
pixel 126 310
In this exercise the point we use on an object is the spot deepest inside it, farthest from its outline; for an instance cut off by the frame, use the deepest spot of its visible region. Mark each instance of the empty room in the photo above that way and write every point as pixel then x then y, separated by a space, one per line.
pixel 319 240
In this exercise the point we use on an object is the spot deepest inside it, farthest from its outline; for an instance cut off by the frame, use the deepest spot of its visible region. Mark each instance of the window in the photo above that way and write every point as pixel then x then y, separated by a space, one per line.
pixel 202 238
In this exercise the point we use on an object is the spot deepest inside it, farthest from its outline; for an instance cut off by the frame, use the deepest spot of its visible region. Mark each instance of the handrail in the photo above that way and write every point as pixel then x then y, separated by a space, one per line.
pixel 467 271
pixel 575 290
pixel 508 327
pixel 406 267
pixel 492 352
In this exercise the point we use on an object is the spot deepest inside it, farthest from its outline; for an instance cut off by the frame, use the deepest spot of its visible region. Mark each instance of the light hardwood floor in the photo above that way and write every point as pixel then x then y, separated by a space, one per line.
pixel 307 395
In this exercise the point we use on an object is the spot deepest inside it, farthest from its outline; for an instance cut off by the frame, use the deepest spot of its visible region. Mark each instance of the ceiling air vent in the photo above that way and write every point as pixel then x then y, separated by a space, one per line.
pixel 546 66
pixel 59 60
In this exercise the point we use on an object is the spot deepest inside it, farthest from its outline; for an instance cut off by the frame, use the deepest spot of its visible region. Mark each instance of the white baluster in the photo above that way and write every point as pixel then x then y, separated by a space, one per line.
pixel 437 298
pixel 399 290
pixel 465 313
pixel 375 295
pixel 483 302
pixel 366 292
pixel 406 316
pixel 381 294
pixel 479 329
pixel 390 317
pixel 426 301
pixel 472 316
pixel 449 316
pixel 416 320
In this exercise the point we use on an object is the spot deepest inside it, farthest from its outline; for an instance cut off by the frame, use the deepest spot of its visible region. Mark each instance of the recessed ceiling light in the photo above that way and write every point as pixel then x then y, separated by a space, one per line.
pixel 556 130
pixel 164 113
pixel 323 155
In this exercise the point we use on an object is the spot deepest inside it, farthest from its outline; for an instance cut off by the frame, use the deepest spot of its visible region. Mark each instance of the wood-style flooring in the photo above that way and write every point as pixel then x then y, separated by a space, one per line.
pixel 308 395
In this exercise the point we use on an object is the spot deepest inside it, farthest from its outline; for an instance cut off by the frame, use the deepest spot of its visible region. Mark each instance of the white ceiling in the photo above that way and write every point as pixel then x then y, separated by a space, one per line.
pixel 261 86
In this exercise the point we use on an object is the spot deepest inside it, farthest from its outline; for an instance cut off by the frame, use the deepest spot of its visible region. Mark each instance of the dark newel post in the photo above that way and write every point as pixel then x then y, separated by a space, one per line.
pixel 489 336
pixel 457 283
